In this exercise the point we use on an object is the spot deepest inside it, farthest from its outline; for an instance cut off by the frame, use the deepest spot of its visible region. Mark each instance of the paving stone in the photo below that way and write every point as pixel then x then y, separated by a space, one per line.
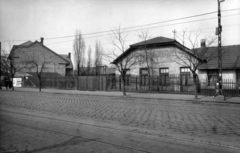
pixel 189 119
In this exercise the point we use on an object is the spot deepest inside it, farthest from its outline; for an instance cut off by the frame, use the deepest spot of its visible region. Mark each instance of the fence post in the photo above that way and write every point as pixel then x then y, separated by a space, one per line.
pixel 120 82
pixel 136 84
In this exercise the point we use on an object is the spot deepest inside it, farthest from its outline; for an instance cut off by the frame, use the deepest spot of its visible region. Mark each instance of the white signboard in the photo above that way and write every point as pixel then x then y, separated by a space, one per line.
pixel 17 82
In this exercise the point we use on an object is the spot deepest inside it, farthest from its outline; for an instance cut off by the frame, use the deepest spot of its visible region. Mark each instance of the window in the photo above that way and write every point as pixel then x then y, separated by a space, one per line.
pixel 163 76
pixel 164 71
pixel 185 70
pixel 143 76
pixel 185 76
pixel 212 76
pixel 238 76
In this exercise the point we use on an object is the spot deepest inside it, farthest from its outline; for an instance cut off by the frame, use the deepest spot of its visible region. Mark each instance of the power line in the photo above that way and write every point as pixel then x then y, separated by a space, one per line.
pixel 150 28
pixel 93 33
pixel 204 14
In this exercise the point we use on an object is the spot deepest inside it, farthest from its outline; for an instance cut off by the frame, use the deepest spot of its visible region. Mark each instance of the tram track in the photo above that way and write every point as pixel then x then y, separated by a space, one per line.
pixel 171 121
pixel 131 149
pixel 19 114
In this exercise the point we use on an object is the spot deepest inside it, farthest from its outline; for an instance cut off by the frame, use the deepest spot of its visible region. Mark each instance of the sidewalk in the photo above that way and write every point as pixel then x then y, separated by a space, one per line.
pixel 181 97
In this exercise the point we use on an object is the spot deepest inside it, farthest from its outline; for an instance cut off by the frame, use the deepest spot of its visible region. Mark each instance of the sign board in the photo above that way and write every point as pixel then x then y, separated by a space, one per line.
pixel 17 82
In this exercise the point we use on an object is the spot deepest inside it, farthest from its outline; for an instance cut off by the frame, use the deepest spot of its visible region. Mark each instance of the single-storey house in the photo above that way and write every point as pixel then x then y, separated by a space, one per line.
pixel 230 64
pixel 173 73
pixel 163 62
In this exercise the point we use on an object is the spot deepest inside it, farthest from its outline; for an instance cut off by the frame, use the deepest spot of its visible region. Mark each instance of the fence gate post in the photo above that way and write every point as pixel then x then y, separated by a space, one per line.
pixel 136 84
pixel 120 82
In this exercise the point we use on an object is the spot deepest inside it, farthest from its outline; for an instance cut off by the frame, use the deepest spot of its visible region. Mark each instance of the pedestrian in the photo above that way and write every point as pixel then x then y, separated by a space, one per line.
pixel 6 82
pixel 10 83
pixel 218 88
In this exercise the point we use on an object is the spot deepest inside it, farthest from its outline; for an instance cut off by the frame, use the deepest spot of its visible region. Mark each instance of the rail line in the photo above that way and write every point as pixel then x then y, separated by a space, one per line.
pixel 63 133
pixel 109 128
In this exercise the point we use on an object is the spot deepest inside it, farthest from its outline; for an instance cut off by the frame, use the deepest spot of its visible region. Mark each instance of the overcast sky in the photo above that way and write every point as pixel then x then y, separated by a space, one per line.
pixel 23 20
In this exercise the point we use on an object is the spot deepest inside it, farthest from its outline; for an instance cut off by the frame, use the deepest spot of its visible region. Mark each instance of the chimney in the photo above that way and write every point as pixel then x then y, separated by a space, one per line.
pixel 203 43
pixel 42 40
pixel 69 55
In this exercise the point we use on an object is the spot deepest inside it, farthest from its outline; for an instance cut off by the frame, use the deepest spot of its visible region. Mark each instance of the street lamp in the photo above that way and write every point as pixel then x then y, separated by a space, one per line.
pixel 218 32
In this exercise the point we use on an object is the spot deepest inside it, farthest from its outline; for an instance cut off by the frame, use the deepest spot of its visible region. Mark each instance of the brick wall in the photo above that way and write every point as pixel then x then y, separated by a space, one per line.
pixel 164 58
pixel 39 55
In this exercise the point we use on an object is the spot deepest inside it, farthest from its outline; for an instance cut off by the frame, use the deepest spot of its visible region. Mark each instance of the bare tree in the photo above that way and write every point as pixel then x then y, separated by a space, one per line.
pixel 5 65
pixel 79 51
pixel 13 65
pixel 37 62
pixel 16 66
pixel 146 55
pixel 89 60
pixel 118 40
pixel 196 56
pixel 98 56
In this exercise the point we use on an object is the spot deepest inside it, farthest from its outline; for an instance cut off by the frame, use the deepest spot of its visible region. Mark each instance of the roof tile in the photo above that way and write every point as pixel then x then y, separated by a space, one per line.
pixel 230 58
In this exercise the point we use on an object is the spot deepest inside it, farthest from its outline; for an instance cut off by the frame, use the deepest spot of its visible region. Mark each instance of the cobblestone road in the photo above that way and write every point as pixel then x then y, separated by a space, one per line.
pixel 213 122
pixel 21 139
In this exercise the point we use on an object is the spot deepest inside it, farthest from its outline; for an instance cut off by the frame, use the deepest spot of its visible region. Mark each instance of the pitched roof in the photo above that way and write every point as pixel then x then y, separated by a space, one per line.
pixel 157 40
pixel 230 58
pixel 66 56
pixel 26 43
pixel 29 44
pixel 154 42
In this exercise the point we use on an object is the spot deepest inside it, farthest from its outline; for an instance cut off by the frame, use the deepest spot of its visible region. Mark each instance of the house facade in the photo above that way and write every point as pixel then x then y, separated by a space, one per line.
pixel 69 68
pixel 164 68
pixel 163 58
pixel 31 57
pixel 230 65
pixel 169 67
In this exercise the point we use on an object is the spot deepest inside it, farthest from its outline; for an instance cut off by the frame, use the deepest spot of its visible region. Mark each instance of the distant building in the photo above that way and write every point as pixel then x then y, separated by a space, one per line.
pixel 230 64
pixel 28 56
pixel 97 71
pixel 69 68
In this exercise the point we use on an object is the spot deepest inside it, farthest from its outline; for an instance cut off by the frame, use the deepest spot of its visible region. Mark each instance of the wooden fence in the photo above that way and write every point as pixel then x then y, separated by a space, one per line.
pixel 136 84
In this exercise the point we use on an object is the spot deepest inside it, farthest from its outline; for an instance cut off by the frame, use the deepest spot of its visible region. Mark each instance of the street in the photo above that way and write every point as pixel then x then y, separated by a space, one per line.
pixel 45 122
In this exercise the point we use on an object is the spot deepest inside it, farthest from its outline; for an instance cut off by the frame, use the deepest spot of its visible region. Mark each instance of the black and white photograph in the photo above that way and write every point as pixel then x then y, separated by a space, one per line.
pixel 119 76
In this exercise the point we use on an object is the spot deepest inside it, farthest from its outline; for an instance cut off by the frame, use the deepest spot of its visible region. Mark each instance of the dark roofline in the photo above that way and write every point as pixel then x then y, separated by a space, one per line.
pixel 161 44
pixel 231 57
pixel 36 42
pixel 69 60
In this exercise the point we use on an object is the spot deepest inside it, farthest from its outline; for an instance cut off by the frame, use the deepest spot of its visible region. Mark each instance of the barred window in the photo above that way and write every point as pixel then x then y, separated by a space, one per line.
pixel 143 76
pixel 185 76
pixel 212 76
pixel 164 76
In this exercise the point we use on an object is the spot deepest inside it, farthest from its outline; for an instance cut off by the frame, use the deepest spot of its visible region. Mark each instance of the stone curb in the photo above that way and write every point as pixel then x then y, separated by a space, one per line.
pixel 129 96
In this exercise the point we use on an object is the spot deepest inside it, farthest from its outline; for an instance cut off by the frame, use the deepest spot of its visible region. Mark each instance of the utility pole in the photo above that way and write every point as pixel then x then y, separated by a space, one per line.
pixel 0 66
pixel 174 33
pixel 218 32
pixel 183 37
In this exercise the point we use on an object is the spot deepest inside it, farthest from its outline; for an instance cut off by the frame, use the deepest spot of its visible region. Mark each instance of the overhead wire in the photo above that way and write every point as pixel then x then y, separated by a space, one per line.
pixel 107 31
pixel 149 28
pixel 204 14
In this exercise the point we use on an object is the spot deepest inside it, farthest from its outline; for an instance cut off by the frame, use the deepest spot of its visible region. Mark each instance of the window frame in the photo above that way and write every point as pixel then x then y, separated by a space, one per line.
pixel 143 77
pixel 212 76
pixel 164 76
pixel 184 76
